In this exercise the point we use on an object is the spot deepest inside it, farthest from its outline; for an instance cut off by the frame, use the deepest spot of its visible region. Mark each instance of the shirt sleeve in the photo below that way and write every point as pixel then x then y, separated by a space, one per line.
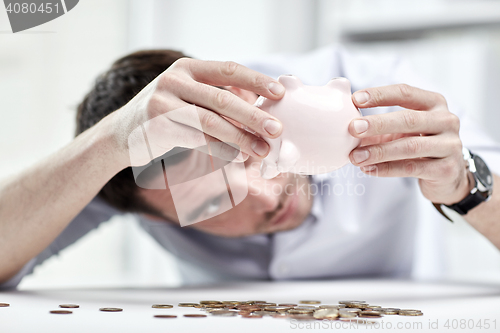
pixel 96 212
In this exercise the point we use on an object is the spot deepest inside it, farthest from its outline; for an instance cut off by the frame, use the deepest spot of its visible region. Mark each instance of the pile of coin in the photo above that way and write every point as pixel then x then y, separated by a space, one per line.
pixel 345 310
pixel 304 310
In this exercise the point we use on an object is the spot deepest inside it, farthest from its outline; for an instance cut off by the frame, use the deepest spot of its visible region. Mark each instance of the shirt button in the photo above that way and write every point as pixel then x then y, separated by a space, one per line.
pixel 283 268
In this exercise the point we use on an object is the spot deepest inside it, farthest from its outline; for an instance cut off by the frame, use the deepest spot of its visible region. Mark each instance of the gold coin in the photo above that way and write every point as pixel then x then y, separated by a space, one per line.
pixel 408 312
pixel 215 306
pixel 309 302
pixel 374 306
pixel 195 315
pixel 165 316
pixel 287 304
pixel 210 302
pixel 389 311
pixel 110 309
pixel 4 305
pixel 224 313
pixel 255 302
pixel 162 306
pixel 188 305
pixel 61 311
pixel 69 306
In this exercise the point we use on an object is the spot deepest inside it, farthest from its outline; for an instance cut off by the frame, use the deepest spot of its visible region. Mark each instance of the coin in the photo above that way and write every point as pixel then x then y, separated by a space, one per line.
pixel 358 305
pixel 352 310
pixel 389 311
pixel 224 313
pixel 300 311
pixel 277 308
pixel 110 309
pixel 4 305
pixel 188 305
pixel 370 314
pixel 195 315
pixel 305 307
pixel 210 302
pixel 326 314
pixel 165 316
pixel 374 306
pixel 345 314
pixel 256 302
pixel 337 306
pixel 408 312
pixel 61 311
pixel 69 306
pixel 215 306
pixel 287 304
pixel 346 302
pixel 309 302
pixel 162 306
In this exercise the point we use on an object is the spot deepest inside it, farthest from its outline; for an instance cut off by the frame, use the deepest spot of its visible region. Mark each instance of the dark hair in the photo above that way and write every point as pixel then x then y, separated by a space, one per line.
pixel 112 90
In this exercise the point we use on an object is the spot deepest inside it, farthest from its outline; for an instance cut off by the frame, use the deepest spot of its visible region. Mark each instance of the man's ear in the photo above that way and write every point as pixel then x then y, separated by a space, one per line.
pixel 245 95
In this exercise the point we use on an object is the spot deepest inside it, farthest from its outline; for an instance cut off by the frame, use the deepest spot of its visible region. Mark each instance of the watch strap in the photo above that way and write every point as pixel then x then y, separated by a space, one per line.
pixel 470 201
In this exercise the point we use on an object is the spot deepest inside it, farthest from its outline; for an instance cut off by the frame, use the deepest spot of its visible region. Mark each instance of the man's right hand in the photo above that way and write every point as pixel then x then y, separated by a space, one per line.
pixel 173 106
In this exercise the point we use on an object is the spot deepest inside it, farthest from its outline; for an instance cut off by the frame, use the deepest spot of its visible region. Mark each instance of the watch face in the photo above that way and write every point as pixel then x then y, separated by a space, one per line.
pixel 483 173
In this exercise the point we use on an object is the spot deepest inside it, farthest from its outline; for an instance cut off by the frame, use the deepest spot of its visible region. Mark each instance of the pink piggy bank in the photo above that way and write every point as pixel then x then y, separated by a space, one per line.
pixel 315 136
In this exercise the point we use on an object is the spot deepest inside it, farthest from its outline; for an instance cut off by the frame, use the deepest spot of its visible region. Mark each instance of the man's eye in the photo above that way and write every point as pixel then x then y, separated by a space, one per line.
pixel 213 206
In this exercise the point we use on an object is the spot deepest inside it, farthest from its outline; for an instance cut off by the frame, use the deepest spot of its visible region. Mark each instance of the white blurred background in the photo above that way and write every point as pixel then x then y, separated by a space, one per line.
pixel 45 72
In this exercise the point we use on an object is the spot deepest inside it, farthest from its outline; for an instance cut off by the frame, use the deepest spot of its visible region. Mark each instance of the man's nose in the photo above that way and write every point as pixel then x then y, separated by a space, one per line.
pixel 265 195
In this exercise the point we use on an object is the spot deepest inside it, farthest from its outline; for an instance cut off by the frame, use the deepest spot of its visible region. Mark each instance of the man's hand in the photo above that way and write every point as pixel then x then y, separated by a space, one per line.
pixel 420 141
pixel 185 96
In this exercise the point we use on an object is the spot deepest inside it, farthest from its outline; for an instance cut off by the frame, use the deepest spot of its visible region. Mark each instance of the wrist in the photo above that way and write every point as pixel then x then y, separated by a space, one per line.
pixel 107 141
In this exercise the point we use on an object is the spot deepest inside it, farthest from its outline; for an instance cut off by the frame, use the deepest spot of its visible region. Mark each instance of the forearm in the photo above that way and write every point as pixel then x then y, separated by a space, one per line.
pixel 37 204
pixel 485 218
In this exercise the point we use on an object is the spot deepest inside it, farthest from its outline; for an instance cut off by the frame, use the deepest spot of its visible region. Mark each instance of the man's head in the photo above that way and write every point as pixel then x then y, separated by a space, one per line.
pixel 271 205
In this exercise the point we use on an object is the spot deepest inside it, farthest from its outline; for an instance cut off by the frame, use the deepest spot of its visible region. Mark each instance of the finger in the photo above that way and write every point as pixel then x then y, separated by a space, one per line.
pixel 427 169
pixel 230 105
pixel 376 139
pixel 217 127
pixel 404 121
pixel 398 94
pixel 406 148
pixel 229 73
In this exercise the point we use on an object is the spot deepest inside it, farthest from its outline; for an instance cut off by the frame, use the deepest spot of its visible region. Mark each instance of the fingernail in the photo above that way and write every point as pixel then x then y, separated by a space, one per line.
pixel 362 97
pixel 260 147
pixel 276 88
pixel 272 126
pixel 360 126
pixel 368 168
pixel 360 155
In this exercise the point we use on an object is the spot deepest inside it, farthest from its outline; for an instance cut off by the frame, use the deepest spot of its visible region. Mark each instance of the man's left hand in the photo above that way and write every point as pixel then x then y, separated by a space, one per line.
pixel 420 141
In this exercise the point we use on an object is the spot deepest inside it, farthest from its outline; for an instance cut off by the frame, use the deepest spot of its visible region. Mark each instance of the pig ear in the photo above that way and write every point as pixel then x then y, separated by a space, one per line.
pixel 340 83
pixel 290 81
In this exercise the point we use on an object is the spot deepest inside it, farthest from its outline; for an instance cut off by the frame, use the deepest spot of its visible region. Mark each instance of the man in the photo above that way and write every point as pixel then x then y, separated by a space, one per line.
pixel 360 226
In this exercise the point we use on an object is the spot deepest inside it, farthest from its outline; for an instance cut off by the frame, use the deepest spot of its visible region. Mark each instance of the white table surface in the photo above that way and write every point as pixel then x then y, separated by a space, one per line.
pixel 459 304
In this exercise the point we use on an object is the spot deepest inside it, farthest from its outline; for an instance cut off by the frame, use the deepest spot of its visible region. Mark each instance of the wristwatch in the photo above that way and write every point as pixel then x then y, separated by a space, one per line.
pixel 481 192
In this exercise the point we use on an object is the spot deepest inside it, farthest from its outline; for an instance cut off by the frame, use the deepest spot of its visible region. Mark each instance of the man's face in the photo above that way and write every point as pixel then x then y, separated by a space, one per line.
pixel 272 205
